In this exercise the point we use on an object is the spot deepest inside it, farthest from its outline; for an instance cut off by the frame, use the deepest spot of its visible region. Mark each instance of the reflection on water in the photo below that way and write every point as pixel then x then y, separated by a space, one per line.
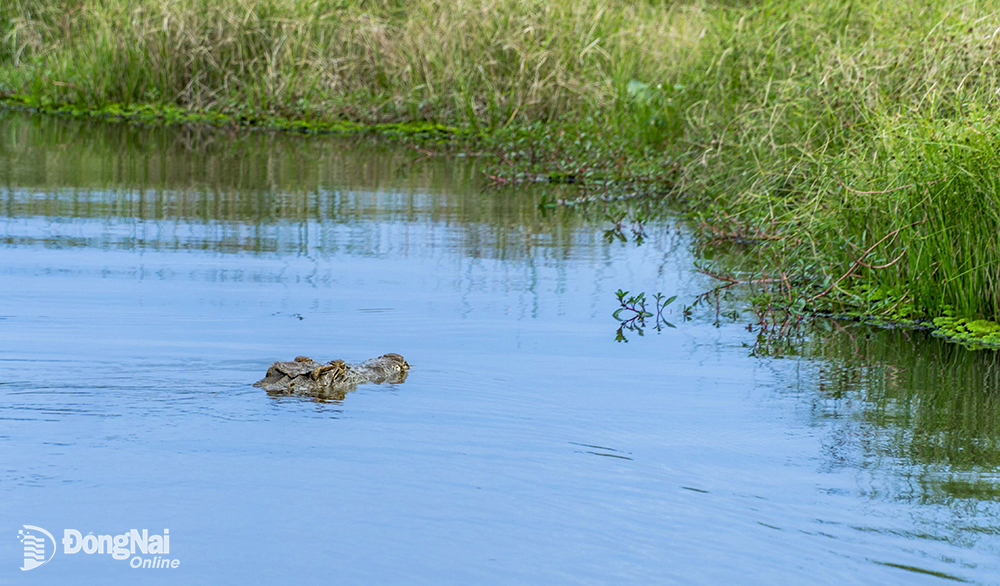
pixel 928 406
pixel 250 192
pixel 149 277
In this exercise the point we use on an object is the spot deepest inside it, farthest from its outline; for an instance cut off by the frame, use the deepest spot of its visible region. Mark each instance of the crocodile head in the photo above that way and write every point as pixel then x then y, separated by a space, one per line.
pixel 397 359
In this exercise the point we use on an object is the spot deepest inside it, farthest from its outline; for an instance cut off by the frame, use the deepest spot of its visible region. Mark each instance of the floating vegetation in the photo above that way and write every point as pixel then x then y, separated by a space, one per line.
pixel 166 115
pixel 971 333
pixel 632 313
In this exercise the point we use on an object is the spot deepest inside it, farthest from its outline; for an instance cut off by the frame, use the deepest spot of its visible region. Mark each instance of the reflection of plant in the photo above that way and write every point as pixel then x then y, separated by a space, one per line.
pixel 633 313
pixel 618 225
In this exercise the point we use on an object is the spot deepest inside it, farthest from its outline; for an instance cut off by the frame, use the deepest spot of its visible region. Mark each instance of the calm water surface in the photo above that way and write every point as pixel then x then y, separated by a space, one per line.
pixel 149 277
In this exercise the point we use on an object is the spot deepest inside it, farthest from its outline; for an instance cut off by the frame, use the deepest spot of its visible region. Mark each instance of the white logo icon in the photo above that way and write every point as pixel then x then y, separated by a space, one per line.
pixel 34 547
pixel 142 550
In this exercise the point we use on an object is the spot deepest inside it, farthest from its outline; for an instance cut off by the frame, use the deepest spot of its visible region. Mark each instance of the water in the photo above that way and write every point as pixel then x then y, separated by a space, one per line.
pixel 148 277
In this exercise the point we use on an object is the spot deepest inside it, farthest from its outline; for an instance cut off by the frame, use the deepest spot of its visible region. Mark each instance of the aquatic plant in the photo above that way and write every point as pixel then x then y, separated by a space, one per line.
pixel 632 313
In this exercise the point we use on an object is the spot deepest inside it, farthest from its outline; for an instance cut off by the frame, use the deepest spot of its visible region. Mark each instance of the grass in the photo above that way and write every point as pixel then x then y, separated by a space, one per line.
pixel 481 63
pixel 814 129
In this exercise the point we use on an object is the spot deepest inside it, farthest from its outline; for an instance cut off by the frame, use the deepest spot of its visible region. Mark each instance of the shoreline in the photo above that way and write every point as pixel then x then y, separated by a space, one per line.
pixel 854 147
pixel 969 332
pixel 164 115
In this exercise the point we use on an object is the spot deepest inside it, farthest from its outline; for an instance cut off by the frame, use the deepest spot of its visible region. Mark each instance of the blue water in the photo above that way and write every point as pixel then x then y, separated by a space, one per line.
pixel 149 277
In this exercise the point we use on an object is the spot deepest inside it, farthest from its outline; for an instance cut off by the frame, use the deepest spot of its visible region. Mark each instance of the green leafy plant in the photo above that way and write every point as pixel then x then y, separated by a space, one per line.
pixel 632 313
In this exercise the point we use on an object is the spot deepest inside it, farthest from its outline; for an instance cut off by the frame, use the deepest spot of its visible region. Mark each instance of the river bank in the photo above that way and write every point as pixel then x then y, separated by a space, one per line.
pixel 845 152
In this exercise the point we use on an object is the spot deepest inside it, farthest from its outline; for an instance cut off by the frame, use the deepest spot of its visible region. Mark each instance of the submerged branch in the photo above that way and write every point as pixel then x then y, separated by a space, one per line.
pixel 733 281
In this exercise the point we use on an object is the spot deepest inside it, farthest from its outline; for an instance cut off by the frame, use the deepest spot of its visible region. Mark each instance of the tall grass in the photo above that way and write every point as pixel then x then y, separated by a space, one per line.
pixel 474 61
pixel 831 122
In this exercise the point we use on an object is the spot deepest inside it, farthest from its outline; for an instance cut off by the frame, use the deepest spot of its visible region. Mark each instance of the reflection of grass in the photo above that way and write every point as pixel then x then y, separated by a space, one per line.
pixel 256 192
pixel 976 489
pixel 916 400
pixel 816 128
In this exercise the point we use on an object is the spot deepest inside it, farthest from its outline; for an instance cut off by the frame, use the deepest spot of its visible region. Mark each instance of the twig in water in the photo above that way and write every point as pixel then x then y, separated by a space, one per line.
pixel 497 180
pixel 422 151
pixel 737 281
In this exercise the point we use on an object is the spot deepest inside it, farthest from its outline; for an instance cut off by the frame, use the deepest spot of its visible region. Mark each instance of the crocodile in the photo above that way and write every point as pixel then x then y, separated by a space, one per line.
pixel 305 376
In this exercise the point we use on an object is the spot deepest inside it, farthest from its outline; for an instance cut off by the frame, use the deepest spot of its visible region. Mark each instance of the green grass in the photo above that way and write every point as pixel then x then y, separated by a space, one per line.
pixel 482 63
pixel 818 127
